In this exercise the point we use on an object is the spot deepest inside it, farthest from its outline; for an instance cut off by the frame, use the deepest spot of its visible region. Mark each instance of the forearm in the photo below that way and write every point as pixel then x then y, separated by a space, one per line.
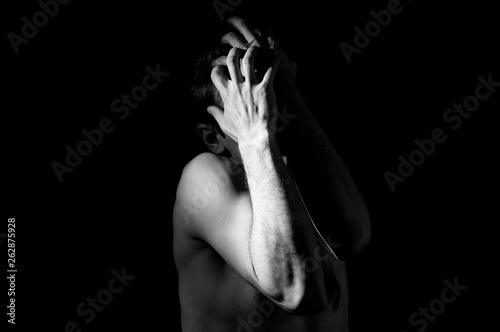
pixel 281 234
pixel 325 169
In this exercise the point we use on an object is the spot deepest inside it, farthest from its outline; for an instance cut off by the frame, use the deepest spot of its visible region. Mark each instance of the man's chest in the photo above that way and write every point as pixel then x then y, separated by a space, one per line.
pixel 219 292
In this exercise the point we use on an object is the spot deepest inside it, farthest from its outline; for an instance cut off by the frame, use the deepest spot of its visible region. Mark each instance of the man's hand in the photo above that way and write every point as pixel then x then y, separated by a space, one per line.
pixel 249 105
pixel 322 166
pixel 280 232
pixel 287 68
pixel 313 156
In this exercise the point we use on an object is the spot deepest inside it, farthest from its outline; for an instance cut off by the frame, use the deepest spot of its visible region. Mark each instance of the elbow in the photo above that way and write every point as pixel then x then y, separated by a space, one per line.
pixel 289 297
pixel 358 239
pixel 301 299
pixel 363 240
pixel 289 294
pixel 292 299
pixel 305 302
pixel 362 237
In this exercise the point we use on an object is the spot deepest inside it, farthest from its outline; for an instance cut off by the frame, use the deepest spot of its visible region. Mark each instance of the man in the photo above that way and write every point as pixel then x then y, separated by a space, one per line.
pixel 248 254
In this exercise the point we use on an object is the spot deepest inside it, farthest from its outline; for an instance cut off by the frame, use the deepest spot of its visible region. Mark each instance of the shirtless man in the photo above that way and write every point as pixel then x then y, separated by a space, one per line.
pixel 248 254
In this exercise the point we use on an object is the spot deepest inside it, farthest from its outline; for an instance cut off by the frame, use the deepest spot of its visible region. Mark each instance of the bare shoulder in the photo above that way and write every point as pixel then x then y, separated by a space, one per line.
pixel 202 165
pixel 201 173
pixel 207 182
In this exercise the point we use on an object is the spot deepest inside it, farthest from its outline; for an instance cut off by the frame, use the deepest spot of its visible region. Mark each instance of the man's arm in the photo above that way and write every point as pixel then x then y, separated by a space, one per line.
pixel 213 206
pixel 282 234
pixel 326 184
pixel 265 236
pixel 334 201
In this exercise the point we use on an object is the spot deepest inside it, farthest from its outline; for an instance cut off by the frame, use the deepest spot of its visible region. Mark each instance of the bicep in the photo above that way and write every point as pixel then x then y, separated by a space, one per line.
pixel 215 204
pixel 225 225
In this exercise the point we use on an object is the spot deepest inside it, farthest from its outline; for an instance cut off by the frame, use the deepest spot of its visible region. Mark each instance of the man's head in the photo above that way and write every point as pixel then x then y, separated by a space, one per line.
pixel 206 94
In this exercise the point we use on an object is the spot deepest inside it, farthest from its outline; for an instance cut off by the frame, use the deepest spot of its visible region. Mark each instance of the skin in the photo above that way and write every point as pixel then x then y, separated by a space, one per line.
pixel 248 254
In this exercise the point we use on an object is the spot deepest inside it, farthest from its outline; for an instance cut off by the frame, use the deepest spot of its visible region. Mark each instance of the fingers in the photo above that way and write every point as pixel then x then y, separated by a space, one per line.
pixel 217 113
pixel 242 26
pixel 220 61
pixel 218 78
pixel 233 64
pixel 232 39
pixel 249 64
pixel 271 72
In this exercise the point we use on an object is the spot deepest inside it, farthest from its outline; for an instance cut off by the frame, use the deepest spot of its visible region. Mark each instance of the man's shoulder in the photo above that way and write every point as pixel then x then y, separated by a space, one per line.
pixel 204 163
pixel 205 179
pixel 202 169
pixel 208 185
pixel 189 198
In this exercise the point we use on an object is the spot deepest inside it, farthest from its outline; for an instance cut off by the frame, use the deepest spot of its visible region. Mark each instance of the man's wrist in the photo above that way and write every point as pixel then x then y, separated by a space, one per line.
pixel 255 147
pixel 256 141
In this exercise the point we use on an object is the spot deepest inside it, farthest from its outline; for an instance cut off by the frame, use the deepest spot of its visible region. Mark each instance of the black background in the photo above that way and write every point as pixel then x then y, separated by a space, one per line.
pixel 114 209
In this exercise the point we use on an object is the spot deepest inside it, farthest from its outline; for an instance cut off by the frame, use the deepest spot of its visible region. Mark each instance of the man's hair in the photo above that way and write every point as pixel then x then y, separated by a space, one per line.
pixel 203 90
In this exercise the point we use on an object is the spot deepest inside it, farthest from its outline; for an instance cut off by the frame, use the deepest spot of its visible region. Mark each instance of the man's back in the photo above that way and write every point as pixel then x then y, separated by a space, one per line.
pixel 213 296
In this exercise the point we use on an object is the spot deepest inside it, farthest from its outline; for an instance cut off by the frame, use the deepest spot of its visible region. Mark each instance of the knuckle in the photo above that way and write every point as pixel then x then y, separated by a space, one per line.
pixel 220 61
pixel 215 73
pixel 232 52
pixel 229 37
pixel 236 20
